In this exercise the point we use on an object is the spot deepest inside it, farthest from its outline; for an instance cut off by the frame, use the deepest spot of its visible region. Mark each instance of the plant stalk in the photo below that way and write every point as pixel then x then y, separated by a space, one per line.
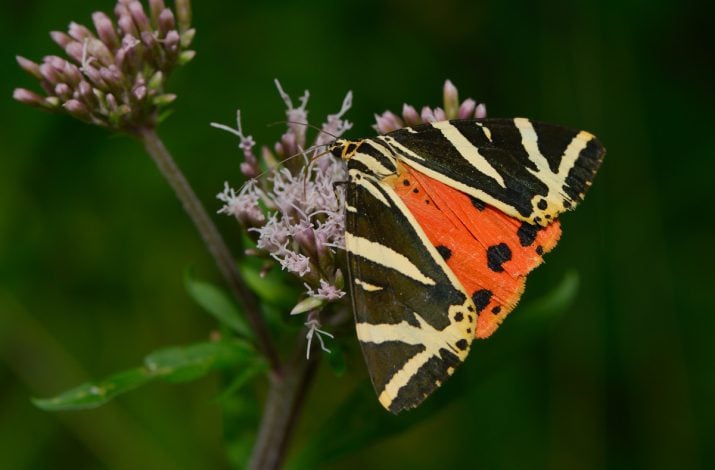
pixel 211 236
pixel 281 411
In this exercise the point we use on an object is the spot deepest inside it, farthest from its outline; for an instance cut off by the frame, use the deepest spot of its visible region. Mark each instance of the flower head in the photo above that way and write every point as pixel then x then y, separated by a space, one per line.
pixel 114 76
pixel 294 211
pixel 452 109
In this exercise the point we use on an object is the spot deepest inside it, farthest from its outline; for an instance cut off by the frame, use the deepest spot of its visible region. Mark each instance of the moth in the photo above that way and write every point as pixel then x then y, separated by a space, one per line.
pixel 443 222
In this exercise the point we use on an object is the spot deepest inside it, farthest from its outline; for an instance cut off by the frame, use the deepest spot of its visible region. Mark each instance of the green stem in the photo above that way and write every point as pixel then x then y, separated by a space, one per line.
pixel 211 236
pixel 280 413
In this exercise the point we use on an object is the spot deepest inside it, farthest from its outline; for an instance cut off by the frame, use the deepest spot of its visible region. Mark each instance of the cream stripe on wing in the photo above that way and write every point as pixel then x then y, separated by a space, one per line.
pixel 385 256
pixel 372 164
pixel 366 182
pixel 468 151
pixel 568 159
pixel 425 335
pixel 366 286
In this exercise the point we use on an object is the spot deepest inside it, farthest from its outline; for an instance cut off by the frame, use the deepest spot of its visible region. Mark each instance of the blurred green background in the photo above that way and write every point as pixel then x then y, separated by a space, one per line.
pixel 93 244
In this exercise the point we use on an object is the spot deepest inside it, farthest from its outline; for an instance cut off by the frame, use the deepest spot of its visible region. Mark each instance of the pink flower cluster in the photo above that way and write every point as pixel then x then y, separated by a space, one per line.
pixel 295 210
pixel 114 76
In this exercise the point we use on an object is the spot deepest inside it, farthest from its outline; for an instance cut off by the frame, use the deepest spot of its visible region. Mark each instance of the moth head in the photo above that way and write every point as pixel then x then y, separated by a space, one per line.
pixel 344 149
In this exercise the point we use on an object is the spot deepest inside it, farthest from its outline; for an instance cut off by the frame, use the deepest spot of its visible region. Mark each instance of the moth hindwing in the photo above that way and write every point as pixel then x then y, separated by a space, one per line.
pixel 414 318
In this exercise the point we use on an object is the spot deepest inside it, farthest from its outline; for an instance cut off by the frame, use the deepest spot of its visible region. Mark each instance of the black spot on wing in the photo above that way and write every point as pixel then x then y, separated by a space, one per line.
pixel 527 233
pixel 498 255
pixel 445 252
pixel 479 205
pixel 481 299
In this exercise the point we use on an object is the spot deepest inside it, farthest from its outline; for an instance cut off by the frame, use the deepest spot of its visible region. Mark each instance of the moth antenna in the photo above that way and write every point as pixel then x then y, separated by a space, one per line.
pixel 306 124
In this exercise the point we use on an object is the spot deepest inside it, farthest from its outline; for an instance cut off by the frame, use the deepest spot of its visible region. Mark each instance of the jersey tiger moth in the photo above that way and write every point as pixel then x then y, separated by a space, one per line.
pixel 443 222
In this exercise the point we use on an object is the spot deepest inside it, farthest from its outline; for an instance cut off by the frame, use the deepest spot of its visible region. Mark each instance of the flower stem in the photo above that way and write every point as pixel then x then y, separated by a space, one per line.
pixel 281 410
pixel 211 236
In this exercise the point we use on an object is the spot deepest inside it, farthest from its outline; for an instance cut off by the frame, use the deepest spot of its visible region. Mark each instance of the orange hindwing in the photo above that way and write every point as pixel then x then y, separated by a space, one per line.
pixel 490 252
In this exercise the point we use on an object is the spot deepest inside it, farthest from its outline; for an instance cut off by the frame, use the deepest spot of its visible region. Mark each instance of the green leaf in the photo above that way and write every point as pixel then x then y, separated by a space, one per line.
pixel 94 394
pixel 183 364
pixel 216 302
pixel 176 364
pixel 273 288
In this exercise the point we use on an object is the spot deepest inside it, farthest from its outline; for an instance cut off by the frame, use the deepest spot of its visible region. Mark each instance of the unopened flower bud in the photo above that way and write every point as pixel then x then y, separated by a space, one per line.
pixel 187 37
pixel 186 56
pixel 79 32
pixel 98 50
pixel 439 114
pixel 451 100
pixel 172 42
pixel 466 109
pixel 63 91
pixel 28 97
pixel 29 66
pixel 156 7
pixel 166 22
pixel 126 25
pixel 481 111
pixel 78 110
pixel 75 50
pixel 427 115
pixel 183 14
pixel 140 19
pixel 165 99
pixel 60 38
pixel 387 122
pixel 105 30
pixel 410 115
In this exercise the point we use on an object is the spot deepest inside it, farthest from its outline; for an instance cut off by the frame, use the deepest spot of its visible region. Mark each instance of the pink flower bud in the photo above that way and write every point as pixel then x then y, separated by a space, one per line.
pixel 156 7
pixel 409 113
pixel 78 110
pixel 75 50
pixel 466 109
pixel 427 114
pixel 63 91
pixel 79 32
pixel 72 74
pixel 105 30
pixel 172 42
pixel 126 25
pixel 98 50
pixel 28 97
pixel 29 66
pixel 439 114
pixel 60 38
pixel 481 111
pixel 140 19
pixel 451 100
pixel 166 22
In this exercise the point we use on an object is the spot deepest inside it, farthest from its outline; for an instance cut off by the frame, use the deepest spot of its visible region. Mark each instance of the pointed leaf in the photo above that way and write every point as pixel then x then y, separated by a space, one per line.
pixel 176 364
pixel 216 302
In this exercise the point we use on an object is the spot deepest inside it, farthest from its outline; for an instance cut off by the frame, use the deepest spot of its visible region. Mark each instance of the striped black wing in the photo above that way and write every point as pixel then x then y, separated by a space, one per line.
pixel 414 322
pixel 530 170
